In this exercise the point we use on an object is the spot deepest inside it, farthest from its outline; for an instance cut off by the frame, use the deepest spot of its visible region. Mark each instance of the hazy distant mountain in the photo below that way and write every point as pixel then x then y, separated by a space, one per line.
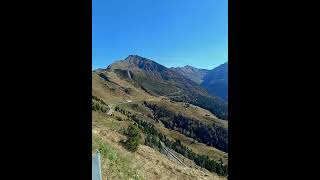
pixel 216 81
pixel 192 73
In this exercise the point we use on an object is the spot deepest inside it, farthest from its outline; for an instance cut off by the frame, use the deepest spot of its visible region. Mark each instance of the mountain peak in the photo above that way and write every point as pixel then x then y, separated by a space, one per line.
pixel 191 73
pixel 132 56
pixel 136 63
pixel 188 66
pixel 135 57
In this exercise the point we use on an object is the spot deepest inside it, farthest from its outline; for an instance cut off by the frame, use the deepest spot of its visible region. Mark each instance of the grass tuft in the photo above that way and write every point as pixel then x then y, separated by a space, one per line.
pixel 114 164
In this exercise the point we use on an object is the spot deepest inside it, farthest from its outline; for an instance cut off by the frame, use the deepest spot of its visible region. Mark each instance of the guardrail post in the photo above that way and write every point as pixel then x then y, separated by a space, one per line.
pixel 96 167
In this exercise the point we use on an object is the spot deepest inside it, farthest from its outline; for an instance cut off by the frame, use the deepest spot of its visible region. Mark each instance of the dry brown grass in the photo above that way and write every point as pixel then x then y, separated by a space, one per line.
pixel 199 148
pixel 114 91
pixel 146 162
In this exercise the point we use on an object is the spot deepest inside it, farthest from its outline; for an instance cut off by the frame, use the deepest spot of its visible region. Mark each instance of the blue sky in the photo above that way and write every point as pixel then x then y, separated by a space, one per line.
pixel 171 32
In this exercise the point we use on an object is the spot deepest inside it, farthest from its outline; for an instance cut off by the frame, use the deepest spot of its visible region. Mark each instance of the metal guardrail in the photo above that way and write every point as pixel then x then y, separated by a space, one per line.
pixel 96 166
pixel 168 152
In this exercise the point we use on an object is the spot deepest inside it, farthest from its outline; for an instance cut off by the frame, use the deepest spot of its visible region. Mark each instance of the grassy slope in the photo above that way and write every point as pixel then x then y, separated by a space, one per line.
pixel 175 107
pixel 199 113
pixel 106 128
pixel 114 90
pixel 146 163
pixel 154 86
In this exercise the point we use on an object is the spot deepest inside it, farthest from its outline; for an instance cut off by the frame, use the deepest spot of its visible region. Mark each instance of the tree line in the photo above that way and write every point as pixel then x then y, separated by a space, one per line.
pixel 213 135
pixel 215 105
pixel 96 105
pixel 201 160
pixel 98 99
pixel 154 138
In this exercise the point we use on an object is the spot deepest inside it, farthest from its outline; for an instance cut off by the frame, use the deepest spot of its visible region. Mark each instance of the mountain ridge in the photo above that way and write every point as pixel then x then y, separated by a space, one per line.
pixel 195 74
pixel 157 79
pixel 216 81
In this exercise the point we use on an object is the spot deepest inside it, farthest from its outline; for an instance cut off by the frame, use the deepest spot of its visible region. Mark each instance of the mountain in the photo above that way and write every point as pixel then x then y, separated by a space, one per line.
pixel 192 73
pixel 159 80
pixel 216 81
pixel 184 134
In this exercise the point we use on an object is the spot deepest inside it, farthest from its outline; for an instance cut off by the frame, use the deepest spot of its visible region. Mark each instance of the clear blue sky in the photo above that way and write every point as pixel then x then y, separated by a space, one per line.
pixel 171 32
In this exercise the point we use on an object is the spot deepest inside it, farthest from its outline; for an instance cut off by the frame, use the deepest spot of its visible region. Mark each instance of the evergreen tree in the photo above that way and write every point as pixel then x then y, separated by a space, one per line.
pixel 134 138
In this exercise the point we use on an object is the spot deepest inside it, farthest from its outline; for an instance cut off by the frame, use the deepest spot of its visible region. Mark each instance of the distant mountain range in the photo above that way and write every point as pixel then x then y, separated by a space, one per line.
pixel 187 84
pixel 192 73
pixel 215 81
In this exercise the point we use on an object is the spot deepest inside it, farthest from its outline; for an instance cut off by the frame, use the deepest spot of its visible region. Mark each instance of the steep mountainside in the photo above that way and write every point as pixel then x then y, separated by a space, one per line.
pixel 216 81
pixel 159 80
pixel 192 73
pixel 145 164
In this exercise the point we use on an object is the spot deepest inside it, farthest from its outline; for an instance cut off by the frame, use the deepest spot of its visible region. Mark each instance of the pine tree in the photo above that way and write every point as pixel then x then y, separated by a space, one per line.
pixel 134 138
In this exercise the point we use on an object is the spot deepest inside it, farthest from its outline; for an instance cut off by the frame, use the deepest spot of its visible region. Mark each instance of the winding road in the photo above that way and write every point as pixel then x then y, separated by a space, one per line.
pixel 111 106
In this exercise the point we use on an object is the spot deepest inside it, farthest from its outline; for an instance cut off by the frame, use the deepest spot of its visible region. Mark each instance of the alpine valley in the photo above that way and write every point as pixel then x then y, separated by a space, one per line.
pixel 154 122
